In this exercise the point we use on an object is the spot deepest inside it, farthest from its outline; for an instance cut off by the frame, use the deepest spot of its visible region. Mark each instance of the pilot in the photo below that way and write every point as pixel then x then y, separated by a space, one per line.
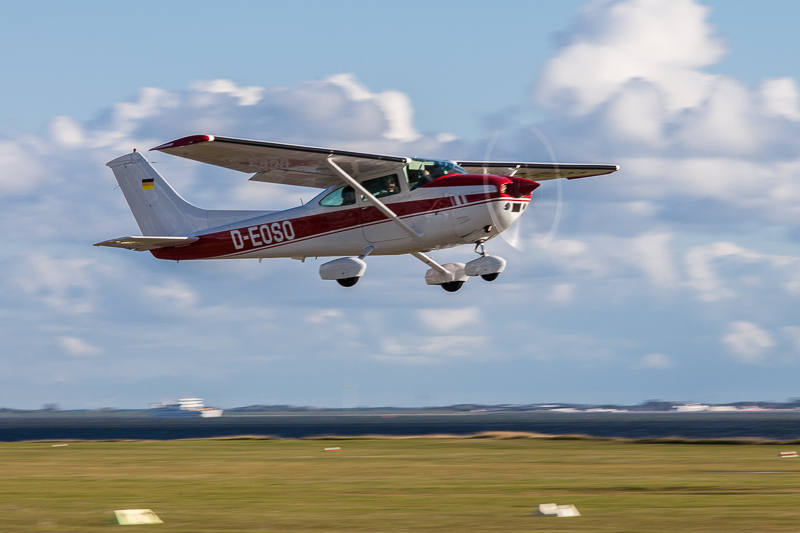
pixel 424 177
pixel 348 196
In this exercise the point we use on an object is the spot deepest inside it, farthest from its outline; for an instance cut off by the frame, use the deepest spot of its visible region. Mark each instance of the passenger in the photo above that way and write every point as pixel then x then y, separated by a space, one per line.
pixel 390 186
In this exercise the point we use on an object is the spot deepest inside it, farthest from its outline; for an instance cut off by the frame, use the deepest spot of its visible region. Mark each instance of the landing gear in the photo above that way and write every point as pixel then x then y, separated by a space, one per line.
pixel 486 266
pixel 452 286
pixel 346 270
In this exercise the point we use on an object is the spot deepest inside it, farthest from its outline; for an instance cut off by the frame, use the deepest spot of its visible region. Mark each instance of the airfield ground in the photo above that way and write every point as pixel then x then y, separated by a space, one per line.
pixel 415 484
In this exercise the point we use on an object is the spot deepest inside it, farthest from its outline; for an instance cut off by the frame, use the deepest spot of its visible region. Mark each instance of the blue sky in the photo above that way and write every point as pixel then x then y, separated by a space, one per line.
pixel 678 277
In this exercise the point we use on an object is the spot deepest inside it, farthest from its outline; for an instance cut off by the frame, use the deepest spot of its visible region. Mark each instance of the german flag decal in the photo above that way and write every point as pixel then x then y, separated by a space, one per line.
pixel 147 184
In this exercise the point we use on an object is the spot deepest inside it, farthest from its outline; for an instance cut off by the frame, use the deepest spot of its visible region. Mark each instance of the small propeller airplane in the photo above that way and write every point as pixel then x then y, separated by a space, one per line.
pixel 371 205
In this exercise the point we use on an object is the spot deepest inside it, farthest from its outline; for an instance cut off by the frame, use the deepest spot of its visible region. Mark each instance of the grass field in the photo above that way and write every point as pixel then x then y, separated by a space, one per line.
pixel 419 484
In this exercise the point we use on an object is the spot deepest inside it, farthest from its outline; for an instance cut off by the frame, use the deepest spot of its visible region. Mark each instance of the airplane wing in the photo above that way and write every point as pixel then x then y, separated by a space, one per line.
pixel 272 162
pixel 141 243
pixel 537 171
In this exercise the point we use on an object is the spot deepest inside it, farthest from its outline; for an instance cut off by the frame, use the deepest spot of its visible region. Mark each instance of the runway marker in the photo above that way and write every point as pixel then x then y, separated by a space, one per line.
pixel 133 517
pixel 335 449
pixel 552 509
pixel 788 454
pixel 59 445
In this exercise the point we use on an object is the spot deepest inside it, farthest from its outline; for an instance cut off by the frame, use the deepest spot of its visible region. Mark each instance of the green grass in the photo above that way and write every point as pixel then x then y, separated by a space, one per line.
pixel 420 484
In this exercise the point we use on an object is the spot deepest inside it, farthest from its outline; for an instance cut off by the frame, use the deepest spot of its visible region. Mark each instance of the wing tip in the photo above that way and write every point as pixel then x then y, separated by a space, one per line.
pixel 184 141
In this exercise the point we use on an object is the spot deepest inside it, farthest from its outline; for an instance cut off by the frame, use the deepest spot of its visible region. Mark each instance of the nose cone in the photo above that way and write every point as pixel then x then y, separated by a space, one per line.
pixel 523 187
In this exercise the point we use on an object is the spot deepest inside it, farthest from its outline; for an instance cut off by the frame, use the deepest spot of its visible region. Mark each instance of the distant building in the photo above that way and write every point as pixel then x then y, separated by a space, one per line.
pixel 691 408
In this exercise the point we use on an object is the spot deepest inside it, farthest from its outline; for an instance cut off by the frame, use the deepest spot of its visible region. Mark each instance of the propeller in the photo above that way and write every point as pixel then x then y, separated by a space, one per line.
pixel 516 235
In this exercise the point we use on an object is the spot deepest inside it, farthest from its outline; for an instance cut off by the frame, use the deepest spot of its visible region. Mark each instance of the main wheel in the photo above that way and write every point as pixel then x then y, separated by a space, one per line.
pixel 347 282
pixel 452 286
pixel 490 277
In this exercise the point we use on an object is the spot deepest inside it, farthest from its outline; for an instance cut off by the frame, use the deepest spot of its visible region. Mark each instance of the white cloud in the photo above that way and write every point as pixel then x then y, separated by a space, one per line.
pixel 662 42
pixel 246 95
pixel 323 316
pixel 447 320
pixel 395 105
pixel 747 341
pixel 629 87
pixel 654 257
pixel 435 349
pixel 64 284
pixel 702 276
pixel 174 293
pixel 710 287
pixel 78 347
pixel 20 170
pixel 67 131
pixel 780 98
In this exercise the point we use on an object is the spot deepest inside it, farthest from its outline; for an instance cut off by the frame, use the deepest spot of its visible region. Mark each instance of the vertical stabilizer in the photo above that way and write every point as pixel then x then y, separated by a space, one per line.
pixel 158 209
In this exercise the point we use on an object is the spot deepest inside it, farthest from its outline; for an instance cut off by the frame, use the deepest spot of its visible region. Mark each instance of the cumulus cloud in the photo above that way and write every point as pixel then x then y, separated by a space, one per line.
pixel 628 86
pixel 747 341
pixel 662 42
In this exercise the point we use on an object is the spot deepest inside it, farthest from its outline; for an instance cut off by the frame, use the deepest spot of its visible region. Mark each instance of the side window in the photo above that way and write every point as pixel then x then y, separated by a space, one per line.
pixel 341 196
pixel 383 186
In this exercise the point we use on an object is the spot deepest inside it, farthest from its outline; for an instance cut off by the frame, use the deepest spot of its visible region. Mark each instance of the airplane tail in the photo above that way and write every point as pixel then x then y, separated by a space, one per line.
pixel 158 209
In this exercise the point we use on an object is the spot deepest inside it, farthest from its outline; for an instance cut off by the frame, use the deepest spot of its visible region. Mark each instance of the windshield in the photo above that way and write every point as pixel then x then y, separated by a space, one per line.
pixel 422 171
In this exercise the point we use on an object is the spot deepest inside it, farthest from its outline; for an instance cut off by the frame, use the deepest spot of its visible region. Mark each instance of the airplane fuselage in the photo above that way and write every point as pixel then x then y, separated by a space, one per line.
pixel 449 211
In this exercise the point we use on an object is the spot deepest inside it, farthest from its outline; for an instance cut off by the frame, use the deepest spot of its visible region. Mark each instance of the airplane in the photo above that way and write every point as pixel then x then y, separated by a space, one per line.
pixel 370 205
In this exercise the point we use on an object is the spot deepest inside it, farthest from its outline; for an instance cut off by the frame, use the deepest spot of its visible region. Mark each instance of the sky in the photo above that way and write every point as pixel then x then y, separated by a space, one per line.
pixel 676 278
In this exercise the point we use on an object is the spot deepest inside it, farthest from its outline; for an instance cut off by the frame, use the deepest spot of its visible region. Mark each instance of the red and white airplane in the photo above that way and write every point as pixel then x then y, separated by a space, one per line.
pixel 371 205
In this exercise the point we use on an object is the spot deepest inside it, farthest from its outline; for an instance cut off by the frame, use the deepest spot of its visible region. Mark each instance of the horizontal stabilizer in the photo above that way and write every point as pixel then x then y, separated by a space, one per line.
pixel 142 244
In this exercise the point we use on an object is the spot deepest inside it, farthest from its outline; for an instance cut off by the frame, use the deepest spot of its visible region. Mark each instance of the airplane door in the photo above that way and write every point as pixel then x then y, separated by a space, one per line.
pixel 376 226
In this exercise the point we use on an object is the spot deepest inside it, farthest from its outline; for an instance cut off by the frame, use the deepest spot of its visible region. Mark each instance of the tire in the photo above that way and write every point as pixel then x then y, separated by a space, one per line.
pixel 490 277
pixel 347 282
pixel 452 286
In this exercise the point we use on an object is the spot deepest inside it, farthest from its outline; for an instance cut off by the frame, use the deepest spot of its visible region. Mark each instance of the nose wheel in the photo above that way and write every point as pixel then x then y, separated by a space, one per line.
pixel 486 266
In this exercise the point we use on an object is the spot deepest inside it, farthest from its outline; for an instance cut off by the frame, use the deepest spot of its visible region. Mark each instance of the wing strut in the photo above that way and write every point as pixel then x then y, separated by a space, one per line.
pixel 370 197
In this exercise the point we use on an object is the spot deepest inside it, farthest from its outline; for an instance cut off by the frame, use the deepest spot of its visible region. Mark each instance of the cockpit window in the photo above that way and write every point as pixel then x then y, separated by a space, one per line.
pixel 383 186
pixel 422 171
pixel 341 196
